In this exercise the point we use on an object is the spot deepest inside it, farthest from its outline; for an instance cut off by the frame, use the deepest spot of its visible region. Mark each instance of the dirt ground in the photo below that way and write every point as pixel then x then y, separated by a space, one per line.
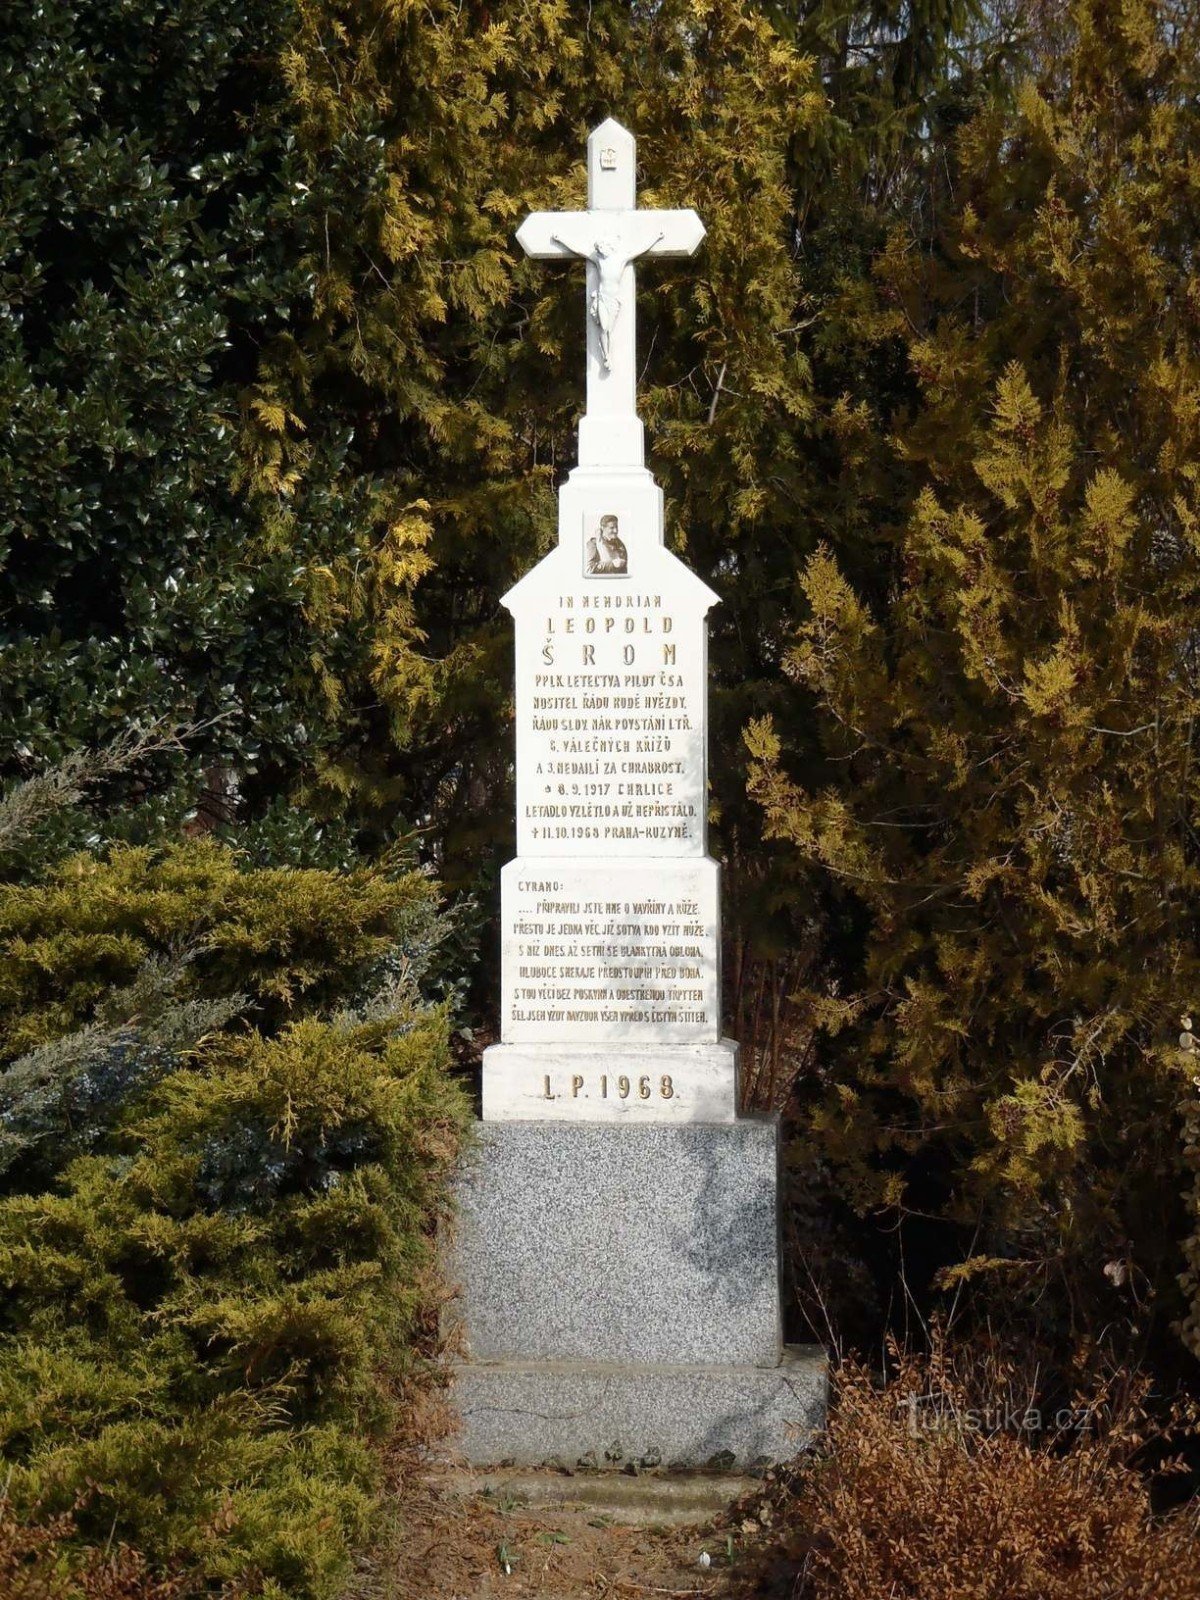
pixel 464 1536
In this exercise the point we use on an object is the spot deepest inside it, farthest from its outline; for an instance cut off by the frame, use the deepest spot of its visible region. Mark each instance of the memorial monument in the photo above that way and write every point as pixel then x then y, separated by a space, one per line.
pixel 617 1237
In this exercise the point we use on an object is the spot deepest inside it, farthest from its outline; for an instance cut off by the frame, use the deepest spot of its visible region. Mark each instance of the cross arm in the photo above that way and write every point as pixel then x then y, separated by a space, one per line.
pixel 548 235
pixel 664 233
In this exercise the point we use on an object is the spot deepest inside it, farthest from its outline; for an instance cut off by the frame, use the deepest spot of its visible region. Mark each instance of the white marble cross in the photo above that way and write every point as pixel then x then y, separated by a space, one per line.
pixel 610 236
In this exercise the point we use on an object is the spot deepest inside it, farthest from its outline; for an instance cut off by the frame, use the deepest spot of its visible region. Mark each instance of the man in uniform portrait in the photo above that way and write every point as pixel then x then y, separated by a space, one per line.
pixel 605 555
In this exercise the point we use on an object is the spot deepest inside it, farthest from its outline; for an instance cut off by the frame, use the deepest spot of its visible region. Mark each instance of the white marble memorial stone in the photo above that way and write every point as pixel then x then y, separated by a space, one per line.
pixel 618 1273
pixel 611 909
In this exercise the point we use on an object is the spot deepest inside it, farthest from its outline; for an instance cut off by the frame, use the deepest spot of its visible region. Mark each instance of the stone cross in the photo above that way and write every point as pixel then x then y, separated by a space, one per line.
pixel 617 1241
pixel 610 981
pixel 610 236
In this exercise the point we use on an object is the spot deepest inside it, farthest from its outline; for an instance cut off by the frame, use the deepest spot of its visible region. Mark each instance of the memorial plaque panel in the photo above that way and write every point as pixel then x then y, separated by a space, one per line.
pixel 610 952
pixel 603 1083
pixel 610 724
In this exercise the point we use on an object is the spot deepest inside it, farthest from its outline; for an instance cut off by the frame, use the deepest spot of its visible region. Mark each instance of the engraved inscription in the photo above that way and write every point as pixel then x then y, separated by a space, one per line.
pixel 611 734
pixel 648 1087
pixel 616 961
pixel 604 952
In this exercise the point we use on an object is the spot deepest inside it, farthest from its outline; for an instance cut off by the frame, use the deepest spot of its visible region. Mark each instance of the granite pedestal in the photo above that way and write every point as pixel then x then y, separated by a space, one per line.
pixel 619 1297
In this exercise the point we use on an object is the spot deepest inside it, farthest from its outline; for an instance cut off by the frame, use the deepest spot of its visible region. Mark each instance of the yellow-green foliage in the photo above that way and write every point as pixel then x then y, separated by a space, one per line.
pixel 339 394
pixel 199 1318
pixel 287 938
pixel 1008 708
pixel 429 131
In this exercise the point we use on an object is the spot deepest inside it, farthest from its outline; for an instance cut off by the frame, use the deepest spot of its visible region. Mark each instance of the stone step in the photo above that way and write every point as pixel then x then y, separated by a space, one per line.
pixel 649 1499
pixel 529 1413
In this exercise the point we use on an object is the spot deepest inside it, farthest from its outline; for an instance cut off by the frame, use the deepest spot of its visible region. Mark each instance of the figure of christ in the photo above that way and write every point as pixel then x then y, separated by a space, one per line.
pixel 610 256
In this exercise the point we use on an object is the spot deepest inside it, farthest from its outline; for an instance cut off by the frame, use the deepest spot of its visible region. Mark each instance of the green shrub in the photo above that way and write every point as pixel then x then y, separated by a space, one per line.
pixel 201 1311
pixel 39 1561
pixel 293 940
pixel 114 967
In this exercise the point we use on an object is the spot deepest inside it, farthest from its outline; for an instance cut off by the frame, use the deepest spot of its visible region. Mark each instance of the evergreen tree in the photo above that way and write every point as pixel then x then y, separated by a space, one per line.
pixel 1006 813
pixel 152 239
pixel 429 131
pixel 289 408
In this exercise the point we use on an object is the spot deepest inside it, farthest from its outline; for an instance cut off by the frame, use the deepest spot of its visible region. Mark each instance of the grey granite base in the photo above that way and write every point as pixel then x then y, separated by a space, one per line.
pixel 607 1243
pixel 570 1413
pixel 619 1297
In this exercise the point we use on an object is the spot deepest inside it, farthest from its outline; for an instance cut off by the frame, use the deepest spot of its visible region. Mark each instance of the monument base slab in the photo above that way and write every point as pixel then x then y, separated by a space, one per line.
pixel 596 1414
pixel 589 1241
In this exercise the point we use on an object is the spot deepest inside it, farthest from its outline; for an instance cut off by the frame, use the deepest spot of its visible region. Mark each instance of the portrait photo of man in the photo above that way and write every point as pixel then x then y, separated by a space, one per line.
pixel 605 555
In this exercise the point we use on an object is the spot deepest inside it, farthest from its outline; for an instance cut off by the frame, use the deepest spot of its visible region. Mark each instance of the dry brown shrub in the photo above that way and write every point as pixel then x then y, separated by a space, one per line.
pixel 946 1483
pixel 43 1561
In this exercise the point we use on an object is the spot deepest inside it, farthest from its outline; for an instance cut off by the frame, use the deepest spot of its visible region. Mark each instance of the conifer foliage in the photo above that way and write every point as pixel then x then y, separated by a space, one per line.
pixel 224 1126
pixel 284 411
pixel 287 405
pixel 428 131
pixel 1008 803
pixel 153 238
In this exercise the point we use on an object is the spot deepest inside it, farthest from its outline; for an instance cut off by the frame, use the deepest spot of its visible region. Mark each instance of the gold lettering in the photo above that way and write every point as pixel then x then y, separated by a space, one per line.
pixel 576 1085
pixel 666 1088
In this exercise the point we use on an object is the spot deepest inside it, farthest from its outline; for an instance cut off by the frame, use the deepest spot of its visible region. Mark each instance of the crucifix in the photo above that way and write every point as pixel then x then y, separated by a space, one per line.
pixel 610 236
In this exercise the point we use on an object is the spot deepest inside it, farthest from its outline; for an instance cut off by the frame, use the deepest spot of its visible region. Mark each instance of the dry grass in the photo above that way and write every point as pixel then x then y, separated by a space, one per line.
pixel 449 1541
pixel 455 1544
pixel 941 1484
